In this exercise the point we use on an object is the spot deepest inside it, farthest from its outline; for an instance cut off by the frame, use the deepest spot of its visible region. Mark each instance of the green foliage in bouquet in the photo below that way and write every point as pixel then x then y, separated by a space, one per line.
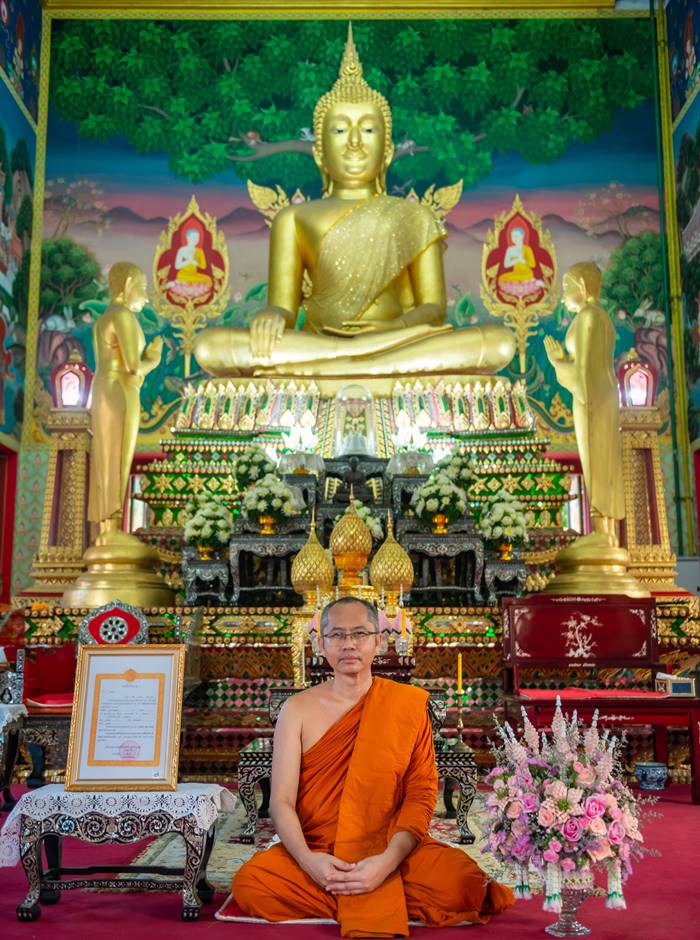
pixel 209 522
pixel 271 496
pixel 252 466
pixel 439 494
pixel 459 467
pixel 502 519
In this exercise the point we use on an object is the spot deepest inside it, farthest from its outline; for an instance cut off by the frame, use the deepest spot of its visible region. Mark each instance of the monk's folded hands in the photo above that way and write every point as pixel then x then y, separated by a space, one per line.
pixel 324 868
pixel 364 877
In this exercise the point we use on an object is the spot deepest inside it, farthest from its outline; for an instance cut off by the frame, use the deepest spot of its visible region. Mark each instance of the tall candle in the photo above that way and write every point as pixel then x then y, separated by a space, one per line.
pixel 403 623
pixel 459 675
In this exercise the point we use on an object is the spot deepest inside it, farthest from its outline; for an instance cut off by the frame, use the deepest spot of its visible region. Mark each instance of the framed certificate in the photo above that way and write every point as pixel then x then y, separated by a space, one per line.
pixel 125 725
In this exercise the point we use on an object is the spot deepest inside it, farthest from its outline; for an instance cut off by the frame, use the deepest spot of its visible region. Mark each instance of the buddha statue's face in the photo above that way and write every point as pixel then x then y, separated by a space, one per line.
pixel 573 294
pixel 136 292
pixel 353 144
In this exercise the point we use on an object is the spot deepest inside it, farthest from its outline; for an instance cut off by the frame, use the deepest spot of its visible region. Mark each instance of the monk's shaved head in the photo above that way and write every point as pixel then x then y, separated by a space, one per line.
pixel 343 602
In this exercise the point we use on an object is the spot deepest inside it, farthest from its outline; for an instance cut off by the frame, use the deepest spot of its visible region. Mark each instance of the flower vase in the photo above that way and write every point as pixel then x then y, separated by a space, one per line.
pixel 440 521
pixel 267 525
pixel 505 551
pixel 205 552
pixel 575 888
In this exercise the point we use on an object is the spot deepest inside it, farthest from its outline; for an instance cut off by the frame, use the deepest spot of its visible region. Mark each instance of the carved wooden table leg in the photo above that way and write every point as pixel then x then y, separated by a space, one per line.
pixel 30 855
pixel 9 749
pixel 264 809
pixel 195 849
pixel 205 889
pixel 450 811
pixel 466 780
pixel 247 778
pixel 52 848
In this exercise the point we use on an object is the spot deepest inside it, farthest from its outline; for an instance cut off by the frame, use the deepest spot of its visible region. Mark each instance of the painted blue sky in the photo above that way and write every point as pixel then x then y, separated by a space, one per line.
pixel 627 153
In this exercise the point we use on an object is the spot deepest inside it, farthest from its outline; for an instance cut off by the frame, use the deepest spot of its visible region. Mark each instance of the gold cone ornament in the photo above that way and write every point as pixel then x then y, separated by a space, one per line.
pixel 351 545
pixel 391 570
pixel 312 569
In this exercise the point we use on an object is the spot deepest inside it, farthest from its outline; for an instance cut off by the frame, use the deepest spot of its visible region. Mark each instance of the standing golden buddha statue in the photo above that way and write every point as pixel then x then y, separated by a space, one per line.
pixel 595 563
pixel 377 305
pixel 119 565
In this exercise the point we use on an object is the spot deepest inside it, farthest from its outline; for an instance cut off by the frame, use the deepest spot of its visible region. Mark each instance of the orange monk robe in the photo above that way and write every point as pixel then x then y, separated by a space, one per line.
pixel 372 774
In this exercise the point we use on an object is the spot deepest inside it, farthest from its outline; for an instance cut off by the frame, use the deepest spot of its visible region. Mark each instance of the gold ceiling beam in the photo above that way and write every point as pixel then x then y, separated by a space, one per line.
pixel 283 9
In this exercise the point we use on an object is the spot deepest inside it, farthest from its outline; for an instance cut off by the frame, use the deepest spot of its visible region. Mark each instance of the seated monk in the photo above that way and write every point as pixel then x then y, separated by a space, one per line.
pixel 377 304
pixel 354 786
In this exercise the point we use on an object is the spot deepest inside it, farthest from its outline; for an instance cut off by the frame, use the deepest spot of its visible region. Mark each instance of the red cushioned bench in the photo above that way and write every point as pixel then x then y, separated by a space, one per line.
pixel 597 632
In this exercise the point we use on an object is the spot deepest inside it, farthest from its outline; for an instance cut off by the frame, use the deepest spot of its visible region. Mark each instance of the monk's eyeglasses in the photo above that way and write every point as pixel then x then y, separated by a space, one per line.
pixel 337 637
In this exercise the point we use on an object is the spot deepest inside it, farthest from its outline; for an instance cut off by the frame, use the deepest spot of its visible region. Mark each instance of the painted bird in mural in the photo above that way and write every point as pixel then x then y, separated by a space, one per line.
pixel 397 190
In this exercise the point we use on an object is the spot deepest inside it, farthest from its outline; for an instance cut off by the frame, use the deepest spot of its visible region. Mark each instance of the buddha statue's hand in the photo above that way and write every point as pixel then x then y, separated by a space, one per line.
pixel 154 350
pixel 266 331
pixel 554 351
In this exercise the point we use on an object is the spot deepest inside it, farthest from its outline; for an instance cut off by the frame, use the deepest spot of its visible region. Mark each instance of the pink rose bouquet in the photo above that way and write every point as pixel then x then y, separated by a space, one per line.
pixel 557 803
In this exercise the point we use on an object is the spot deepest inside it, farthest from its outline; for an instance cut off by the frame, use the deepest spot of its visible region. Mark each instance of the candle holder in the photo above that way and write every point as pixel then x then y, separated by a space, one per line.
pixel 459 746
pixel 401 645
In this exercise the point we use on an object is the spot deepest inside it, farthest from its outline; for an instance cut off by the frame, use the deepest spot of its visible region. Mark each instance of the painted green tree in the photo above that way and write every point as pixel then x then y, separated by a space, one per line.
pixel 69 275
pixel 634 280
pixel 5 168
pixel 240 95
pixel 688 176
pixel 20 160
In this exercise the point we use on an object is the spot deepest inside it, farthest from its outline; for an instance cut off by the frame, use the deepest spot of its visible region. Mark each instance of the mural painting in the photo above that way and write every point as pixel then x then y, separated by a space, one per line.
pixel 16 187
pixel 20 48
pixel 683 18
pixel 571 132
pixel 686 143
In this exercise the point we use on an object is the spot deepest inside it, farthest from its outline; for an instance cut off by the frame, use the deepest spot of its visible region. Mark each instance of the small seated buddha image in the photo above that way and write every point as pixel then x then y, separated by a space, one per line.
pixel 518 278
pixel 377 304
pixel 190 265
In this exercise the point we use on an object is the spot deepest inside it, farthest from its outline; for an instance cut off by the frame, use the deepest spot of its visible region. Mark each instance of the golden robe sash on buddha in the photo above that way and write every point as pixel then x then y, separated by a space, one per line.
pixel 388 232
pixel 372 774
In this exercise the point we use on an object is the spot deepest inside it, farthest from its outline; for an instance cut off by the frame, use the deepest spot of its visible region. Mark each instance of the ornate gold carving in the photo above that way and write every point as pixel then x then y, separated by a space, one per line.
pixel 190 305
pixel 518 273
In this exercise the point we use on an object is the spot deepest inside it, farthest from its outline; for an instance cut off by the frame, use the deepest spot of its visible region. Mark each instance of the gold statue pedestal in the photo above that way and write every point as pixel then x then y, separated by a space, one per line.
pixel 119 567
pixel 594 564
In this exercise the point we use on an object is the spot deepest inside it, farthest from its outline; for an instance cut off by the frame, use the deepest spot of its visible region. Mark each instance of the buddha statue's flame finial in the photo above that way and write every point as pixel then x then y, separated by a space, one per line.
pixel 350 67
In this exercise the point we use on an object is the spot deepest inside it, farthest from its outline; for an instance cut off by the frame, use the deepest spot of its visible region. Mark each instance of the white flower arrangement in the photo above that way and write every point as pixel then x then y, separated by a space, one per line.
pixel 272 497
pixel 208 523
pixel 373 523
pixel 460 468
pixel 502 519
pixel 252 466
pixel 439 494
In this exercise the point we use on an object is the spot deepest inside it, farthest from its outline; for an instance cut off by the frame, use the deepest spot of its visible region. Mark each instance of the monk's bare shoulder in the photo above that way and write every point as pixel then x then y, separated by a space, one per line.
pixel 301 702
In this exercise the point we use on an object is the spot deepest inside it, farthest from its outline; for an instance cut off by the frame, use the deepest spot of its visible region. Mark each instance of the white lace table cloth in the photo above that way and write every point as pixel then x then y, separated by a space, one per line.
pixel 9 713
pixel 203 801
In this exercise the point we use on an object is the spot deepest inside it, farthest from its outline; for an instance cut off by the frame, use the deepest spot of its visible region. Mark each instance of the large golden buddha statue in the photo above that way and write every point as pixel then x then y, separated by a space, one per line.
pixel 377 305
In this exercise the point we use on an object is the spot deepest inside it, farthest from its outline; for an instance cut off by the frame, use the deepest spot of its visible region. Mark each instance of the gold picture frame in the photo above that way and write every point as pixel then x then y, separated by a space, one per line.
pixel 126 718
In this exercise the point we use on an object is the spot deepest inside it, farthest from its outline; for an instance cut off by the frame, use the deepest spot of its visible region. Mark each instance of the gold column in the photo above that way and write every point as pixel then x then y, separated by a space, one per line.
pixel 63 529
pixel 682 435
pixel 646 525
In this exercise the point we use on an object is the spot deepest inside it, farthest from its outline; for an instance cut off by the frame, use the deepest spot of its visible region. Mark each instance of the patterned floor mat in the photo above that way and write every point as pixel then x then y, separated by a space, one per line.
pixel 228 855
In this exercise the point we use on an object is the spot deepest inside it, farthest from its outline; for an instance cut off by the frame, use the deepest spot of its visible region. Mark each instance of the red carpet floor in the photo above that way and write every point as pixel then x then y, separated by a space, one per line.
pixel 663 900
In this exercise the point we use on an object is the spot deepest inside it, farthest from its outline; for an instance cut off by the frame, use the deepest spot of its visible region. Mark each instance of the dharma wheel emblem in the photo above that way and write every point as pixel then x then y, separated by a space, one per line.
pixel 113 630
